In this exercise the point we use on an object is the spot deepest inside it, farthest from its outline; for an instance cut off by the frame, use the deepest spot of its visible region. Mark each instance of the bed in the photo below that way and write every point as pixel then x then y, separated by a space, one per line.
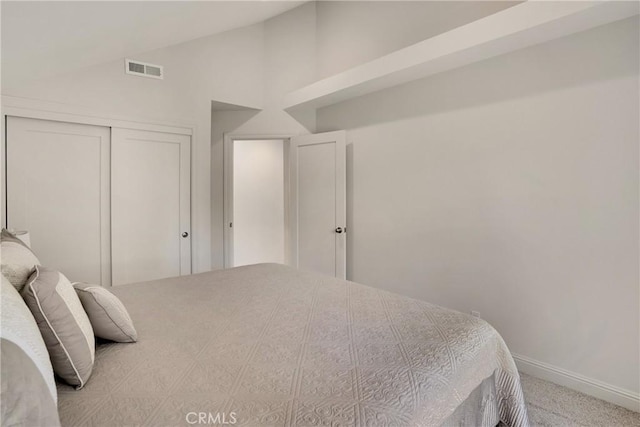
pixel 270 345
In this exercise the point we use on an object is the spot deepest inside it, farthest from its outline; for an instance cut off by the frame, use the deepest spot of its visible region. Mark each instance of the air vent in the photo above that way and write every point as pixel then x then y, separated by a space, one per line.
pixel 143 69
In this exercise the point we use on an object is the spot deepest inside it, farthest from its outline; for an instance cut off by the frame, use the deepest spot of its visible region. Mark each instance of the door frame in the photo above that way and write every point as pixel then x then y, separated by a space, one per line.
pixel 58 112
pixel 228 139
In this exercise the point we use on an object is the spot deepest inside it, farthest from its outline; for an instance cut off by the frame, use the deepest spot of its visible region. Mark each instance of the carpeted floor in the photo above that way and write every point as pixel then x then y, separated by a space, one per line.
pixel 553 405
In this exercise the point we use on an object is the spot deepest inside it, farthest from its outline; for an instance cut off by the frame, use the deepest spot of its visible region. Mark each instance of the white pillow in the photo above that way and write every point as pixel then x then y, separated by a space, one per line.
pixel 18 326
pixel 109 318
pixel 64 325
pixel 18 260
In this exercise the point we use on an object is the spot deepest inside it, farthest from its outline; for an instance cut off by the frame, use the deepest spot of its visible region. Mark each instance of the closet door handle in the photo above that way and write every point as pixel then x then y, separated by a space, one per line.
pixel 339 230
pixel 185 234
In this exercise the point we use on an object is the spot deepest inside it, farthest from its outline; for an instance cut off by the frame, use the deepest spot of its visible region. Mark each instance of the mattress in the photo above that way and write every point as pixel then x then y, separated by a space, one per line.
pixel 270 345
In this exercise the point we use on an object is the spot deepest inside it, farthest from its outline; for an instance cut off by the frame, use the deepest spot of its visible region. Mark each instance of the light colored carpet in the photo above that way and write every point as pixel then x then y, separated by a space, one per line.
pixel 553 405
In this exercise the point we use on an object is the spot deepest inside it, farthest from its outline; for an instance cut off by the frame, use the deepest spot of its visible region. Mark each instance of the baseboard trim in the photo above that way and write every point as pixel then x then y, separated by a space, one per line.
pixel 574 381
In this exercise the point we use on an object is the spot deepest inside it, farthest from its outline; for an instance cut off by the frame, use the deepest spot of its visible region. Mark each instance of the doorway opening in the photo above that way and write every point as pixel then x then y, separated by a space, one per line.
pixel 256 187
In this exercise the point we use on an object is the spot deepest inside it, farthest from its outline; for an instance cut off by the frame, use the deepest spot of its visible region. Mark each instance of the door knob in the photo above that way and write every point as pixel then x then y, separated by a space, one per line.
pixel 339 230
pixel 185 234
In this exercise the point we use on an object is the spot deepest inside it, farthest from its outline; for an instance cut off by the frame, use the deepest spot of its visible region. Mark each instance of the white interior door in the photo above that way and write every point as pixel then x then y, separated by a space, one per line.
pixel 58 190
pixel 318 203
pixel 150 205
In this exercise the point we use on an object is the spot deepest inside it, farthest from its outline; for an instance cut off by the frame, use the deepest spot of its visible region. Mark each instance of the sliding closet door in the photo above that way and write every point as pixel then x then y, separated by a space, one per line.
pixel 150 205
pixel 58 190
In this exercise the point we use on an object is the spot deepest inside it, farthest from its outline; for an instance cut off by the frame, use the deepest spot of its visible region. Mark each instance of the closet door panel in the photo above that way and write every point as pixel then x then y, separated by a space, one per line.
pixel 150 205
pixel 58 190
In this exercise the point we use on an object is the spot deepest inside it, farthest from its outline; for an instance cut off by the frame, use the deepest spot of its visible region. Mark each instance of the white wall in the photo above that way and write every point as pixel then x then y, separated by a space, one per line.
pixel 258 202
pixel 510 187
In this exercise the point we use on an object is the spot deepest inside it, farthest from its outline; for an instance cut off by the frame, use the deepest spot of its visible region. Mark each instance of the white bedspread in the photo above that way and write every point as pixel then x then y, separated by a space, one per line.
pixel 276 346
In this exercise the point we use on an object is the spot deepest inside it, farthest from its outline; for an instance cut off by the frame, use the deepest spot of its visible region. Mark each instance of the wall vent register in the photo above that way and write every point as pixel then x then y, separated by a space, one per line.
pixel 143 69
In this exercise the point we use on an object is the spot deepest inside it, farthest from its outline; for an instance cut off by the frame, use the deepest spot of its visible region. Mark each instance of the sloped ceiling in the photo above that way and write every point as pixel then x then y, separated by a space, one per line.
pixel 40 39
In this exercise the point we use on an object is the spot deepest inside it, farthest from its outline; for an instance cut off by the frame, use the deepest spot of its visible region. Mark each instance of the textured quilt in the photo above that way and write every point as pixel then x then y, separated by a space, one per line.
pixel 270 345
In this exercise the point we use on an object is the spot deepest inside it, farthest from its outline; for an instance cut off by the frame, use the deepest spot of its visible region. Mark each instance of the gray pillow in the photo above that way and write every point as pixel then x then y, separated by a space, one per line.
pixel 109 318
pixel 64 325
pixel 26 400
pixel 18 261
pixel 18 326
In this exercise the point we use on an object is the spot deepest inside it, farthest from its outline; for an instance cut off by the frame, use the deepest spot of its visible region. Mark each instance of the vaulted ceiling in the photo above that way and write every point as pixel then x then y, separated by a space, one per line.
pixel 49 37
